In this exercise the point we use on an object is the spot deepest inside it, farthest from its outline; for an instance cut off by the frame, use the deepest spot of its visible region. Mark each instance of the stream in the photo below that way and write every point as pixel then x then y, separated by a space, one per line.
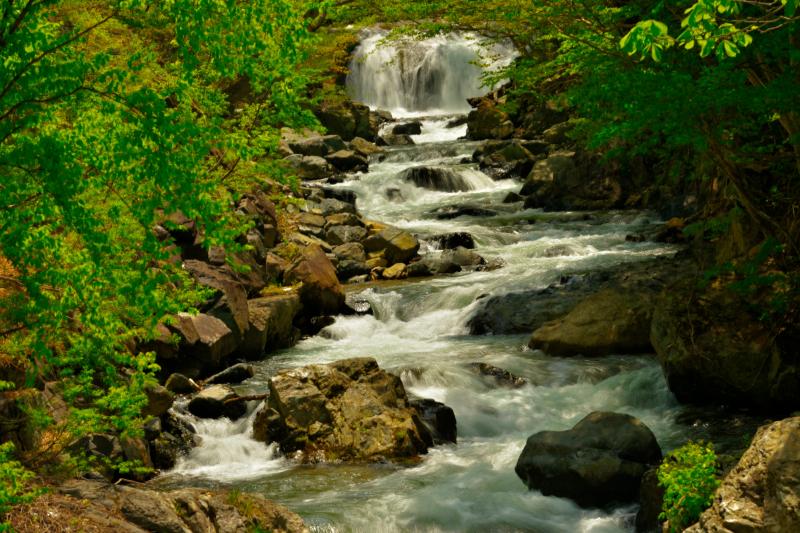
pixel 419 331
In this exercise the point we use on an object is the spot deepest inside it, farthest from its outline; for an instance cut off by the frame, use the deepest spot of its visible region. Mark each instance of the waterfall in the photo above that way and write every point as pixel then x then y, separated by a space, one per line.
pixel 434 75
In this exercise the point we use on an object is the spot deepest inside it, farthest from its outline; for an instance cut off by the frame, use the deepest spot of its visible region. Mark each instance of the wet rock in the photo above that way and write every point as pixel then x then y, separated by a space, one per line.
pixel 349 410
pixel 713 350
pixel 333 206
pixel 318 146
pixel 350 268
pixel 512 198
pixel 311 224
pixel 394 194
pixel 435 178
pixel 364 147
pixel 396 271
pixel 309 167
pixel 608 322
pixel 465 210
pixel 217 401
pixel 271 325
pixel 651 499
pixel 348 161
pixel 420 269
pixel 107 507
pixel 233 374
pixel 180 384
pixel 438 419
pixel 338 235
pixel 598 462
pixel 456 122
pixel 409 128
pixel 275 267
pixel 462 257
pixel 399 246
pixel 497 376
pixel 449 241
pixel 762 492
pixel 320 293
pixel 511 161
pixel 390 139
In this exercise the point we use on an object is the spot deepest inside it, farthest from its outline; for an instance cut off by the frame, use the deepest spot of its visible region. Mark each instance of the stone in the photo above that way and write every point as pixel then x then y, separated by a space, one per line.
pixel 762 492
pixel 488 122
pixel 159 400
pixel 390 139
pixel 347 119
pixel 420 269
pixel 229 301
pixel 320 293
pixel 349 410
pixel 497 376
pixel 233 374
pixel 464 210
pixel 271 325
pixel 511 160
pixel 318 146
pixel 101 506
pixel 714 350
pixel 435 178
pixel 462 257
pixel 348 161
pixel 180 384
pixel 365 148
pixel 350 268
pixel 438 419
pixel 338 235
pixel 352 250
pixel 217 401
pixel 343 219
pixel 309 167
pixel 599 462
pixel 557 133
pixel 206 342
pixel 651 500
pixel 408 128
pixel 396 271
pixel 608 322
pixel 399 246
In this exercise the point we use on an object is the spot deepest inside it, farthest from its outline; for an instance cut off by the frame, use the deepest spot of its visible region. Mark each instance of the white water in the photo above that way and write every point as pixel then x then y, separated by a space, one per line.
pixel 419 331
pixel 434 76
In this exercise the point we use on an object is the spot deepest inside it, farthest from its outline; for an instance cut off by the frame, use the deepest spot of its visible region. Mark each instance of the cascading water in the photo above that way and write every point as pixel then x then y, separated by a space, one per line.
pixel 431 76
pixel 419 332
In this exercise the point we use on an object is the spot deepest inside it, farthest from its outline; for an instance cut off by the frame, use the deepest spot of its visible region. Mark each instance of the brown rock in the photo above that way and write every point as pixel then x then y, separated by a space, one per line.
pixel 321 293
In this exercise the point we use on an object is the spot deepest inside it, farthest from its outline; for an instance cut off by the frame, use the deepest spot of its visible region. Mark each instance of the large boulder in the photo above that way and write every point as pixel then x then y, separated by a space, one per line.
pixel 487 121
pixel 309 167
pixel 608 322
pixel 438 419
pixel 205 344
pixel 229 300
pixel 318 146
pixel 347 119
pixel 349 410
pixel 408 128
pixel 338 235
pixel 271 324
pixel 713 349
pixel 399 246
pixel 436 178
pixel 449 241
pixel 364 147
pixel 217 401
pixel 762 492
pixel 510 160
pixel 348 161
pixel 99 506
pixel 321 293
pixel 598 462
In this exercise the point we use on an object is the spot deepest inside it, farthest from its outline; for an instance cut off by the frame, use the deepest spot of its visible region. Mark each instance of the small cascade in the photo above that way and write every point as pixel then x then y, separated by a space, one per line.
pixel 434 75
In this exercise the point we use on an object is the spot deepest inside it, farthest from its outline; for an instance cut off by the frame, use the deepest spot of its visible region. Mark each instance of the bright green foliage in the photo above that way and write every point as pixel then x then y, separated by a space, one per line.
pixel 113 115
pixel 720 27
pixel 689 478
pixel 14 479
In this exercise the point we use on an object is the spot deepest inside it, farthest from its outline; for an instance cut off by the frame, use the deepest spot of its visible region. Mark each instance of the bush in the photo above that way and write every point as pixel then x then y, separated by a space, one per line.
pixel 14 483
pixel 689 478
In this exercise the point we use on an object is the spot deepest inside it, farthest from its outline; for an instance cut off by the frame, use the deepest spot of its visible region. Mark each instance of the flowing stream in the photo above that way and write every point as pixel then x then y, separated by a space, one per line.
pixel 419 331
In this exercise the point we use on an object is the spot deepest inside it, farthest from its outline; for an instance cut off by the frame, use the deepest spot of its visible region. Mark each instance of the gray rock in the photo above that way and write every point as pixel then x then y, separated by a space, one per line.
pixel 318 146
pixel 598 462
pixel 233 374
pixel 217 401
pixel 338 235
pixel 180 384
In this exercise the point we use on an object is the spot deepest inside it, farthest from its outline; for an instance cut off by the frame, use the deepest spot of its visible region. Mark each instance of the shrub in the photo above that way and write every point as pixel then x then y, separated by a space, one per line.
pixel 689 478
